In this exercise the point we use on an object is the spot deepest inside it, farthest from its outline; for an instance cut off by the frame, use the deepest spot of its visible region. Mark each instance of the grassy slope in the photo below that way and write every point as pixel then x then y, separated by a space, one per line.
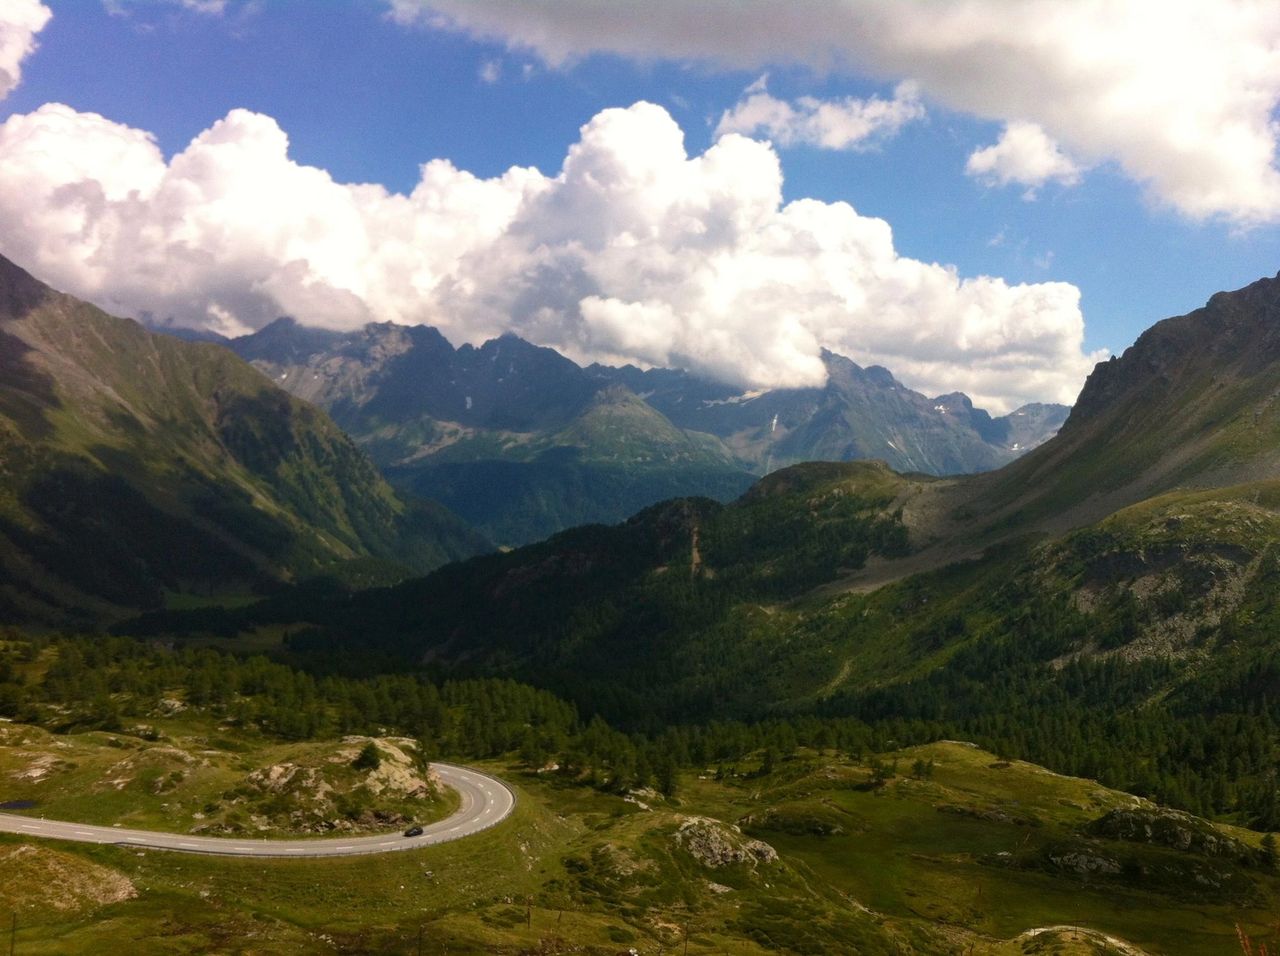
pixel 664 615
pixel 615 458
pixel 1191 404
pixel 189 775
pixel 134 462
pixel 861 870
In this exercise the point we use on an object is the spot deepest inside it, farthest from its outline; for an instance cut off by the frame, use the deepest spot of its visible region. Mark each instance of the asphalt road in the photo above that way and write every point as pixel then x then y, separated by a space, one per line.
pixel 484 802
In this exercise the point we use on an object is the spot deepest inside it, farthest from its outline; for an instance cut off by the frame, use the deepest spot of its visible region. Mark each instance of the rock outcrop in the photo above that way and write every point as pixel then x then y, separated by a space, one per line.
pixel 715 844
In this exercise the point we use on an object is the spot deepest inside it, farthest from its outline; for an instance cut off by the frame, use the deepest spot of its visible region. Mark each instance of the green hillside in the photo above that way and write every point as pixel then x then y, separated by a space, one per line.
pixel 675 614
pixel 136 466
pixel 615 457
pixel 802 837
pixel 1191 404
pixel 1135 646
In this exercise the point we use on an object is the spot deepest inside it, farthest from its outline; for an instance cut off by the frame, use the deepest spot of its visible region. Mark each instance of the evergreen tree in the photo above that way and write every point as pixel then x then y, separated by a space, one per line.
pixel 369 758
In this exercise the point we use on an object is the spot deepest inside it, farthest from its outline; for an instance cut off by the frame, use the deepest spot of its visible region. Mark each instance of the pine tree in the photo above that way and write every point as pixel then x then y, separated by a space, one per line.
pixel 369 758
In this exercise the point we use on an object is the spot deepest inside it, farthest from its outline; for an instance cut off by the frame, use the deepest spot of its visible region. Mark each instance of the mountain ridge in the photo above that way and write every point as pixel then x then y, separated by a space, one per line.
pixel 510 436
pixel 769 586
pixel 136 465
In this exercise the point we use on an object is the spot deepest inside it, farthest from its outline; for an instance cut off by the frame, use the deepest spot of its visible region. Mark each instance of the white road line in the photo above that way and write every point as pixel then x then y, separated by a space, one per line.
pixel 84 833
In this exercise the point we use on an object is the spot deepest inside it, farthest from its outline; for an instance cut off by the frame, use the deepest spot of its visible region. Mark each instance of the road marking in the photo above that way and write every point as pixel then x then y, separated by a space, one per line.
pixel 84 833
pixel 134 840
pixel 293 849
pixel 193 846
pixel 342 849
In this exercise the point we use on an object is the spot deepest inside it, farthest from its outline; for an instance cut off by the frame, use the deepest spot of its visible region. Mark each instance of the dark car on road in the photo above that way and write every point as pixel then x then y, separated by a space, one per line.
pixel 413 831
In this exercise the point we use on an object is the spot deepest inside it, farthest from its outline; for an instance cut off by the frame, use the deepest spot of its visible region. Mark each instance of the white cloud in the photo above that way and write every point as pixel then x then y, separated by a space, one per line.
pixel 633 251
pixel 20 21
pixel 1179 93
pixel 1024 155
pixel 214 8
pixel 848 123
pixel 490 72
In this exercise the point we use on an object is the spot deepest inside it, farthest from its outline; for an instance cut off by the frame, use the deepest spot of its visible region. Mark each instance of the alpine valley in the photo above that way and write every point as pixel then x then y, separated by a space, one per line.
pixel 853 708
pixel 522 442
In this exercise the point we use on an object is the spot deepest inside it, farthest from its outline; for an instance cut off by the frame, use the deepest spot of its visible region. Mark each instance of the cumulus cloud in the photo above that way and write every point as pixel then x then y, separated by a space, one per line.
pixel 20 21
pixel 634 251
pixel 1179 93
pixel 1024 155
pixel 847 123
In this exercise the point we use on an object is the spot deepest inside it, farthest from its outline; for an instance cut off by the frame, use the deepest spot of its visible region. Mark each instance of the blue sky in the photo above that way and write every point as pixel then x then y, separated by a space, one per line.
pixel 369 97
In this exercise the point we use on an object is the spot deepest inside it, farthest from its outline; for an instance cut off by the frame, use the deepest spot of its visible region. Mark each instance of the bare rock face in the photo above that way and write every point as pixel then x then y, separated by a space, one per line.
pixel 715 844
pixel 319 791
pixel 1078 861
pixel 1171 828
pixel 397 773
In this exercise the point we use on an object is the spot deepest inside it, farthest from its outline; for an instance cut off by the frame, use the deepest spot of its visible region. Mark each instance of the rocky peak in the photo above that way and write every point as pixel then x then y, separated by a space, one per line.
pixel 20 292
pixel 1235 334
pixel 285 342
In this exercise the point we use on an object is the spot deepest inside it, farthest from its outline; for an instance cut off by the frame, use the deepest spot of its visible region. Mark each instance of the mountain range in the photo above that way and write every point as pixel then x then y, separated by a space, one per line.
pixel 1130 564
pixel 143 470
pixel 522 442
pixel 1105 605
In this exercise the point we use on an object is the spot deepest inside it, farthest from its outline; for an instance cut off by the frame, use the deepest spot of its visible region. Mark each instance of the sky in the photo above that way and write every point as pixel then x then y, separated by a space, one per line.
pixel 982 195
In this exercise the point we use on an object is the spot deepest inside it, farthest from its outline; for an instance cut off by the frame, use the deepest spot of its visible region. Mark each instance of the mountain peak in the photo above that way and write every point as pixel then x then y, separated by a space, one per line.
pixel 880 376
pixel 1234 336
pixel 1191 404
pixel 285 340
pixel 842 368
pixel 955 399
pixel 20 291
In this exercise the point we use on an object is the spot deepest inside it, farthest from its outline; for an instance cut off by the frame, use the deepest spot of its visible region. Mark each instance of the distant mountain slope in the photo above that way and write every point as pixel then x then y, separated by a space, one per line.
pixel 1193 403
pixel 135 464
pixel 859 413
pixel 522 442
pixel 516 439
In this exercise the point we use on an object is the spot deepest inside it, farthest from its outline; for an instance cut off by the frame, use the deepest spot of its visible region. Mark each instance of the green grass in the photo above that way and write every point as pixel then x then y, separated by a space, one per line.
pixel 861 870
pixel 901 856
pixel 193 775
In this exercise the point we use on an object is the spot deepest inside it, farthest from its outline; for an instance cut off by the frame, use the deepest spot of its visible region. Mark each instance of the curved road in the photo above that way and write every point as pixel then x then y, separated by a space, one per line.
pixel 484 802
